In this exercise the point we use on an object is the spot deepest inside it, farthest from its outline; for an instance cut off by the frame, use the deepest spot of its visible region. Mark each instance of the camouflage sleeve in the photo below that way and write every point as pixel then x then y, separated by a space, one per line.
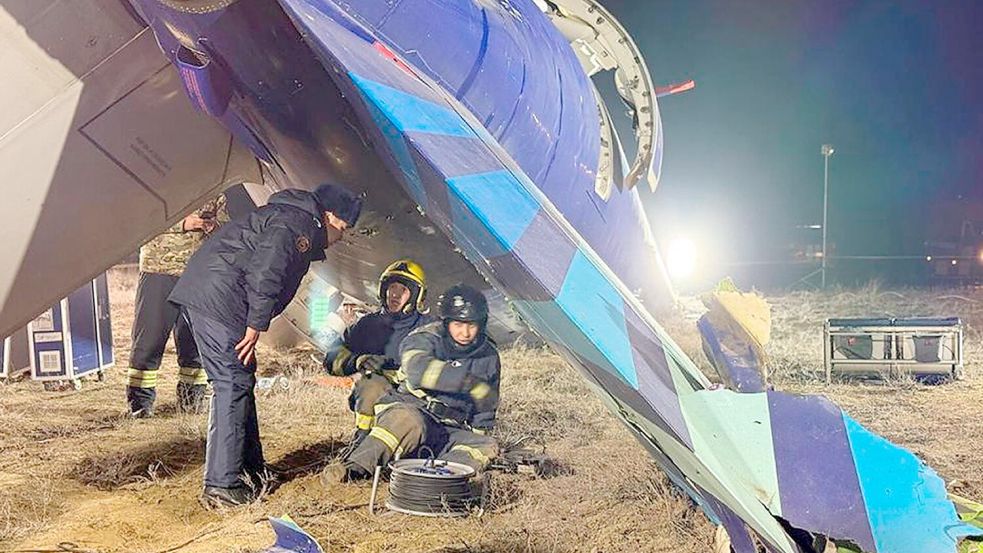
pixel 222 211
pixel 168 252
pixel 421 368
pixel 216 210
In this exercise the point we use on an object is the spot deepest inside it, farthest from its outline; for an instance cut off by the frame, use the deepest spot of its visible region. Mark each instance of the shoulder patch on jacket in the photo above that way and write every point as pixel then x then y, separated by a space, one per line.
pixel 303 244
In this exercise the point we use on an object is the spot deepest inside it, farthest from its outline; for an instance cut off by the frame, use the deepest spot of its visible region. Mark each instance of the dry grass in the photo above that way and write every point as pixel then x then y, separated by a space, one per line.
pixel 72 467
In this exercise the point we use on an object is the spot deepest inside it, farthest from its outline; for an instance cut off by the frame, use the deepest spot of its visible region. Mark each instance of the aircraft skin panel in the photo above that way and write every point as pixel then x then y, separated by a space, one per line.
pixel 889 495
pixel 90 150
pixel 518 76
pixel 817 426
pixel 741 445
pixel 46 60
pixel 587 319
pixel 545 253
pixel 720 494
pixel 303 130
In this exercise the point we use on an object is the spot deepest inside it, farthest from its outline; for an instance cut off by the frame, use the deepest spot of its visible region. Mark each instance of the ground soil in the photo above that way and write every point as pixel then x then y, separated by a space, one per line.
pixel 74 468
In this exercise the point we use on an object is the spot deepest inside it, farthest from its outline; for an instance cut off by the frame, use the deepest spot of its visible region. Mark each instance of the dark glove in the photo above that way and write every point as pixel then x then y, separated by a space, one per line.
pixel 369 363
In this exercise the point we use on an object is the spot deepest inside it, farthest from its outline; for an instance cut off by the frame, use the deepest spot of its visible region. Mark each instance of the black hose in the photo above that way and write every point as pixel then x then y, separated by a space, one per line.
pixel 431 489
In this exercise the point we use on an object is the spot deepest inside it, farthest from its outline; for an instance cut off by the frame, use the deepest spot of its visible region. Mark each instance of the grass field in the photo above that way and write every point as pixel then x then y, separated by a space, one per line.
pixel 74 468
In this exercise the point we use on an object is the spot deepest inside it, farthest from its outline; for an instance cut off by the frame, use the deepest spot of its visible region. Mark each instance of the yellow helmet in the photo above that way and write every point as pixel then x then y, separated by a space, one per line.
pixel 410 274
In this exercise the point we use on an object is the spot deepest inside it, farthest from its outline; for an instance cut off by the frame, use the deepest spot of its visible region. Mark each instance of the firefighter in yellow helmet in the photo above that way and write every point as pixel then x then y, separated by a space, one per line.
pixel 370 347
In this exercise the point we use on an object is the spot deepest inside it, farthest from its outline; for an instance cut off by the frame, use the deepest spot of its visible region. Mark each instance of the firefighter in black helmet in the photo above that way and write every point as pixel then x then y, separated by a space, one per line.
pixel 370 347
pixel 447 397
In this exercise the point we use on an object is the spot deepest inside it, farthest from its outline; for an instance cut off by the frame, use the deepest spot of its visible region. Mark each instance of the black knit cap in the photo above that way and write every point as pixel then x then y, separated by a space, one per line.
pixel 340 201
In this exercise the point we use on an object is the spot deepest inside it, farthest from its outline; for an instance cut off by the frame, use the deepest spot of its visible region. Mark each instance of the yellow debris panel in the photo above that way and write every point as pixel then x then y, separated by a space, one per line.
pixel 746 314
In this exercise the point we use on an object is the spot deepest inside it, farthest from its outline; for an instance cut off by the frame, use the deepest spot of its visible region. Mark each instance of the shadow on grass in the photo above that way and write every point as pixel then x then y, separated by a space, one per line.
pixel 149 463
pixel 307 460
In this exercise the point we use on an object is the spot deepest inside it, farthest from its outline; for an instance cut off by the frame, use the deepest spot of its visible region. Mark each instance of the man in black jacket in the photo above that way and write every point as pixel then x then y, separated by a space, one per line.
pixel 448 395
pixel 370 347
pixel 240 279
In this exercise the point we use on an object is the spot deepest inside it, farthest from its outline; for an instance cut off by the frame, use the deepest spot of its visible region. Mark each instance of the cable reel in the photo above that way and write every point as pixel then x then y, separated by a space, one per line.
pixel 431 488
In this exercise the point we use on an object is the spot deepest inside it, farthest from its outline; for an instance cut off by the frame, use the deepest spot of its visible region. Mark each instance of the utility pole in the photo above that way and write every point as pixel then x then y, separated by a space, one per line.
pixel 827 151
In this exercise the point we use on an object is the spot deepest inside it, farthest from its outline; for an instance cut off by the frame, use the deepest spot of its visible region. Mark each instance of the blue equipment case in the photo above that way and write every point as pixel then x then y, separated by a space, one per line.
pixel 73 338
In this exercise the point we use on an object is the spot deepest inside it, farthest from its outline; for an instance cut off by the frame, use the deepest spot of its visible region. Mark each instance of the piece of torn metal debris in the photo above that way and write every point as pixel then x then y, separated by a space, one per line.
pixel 806 461
pixel 290 538
pixel 818 469
pixel 735 330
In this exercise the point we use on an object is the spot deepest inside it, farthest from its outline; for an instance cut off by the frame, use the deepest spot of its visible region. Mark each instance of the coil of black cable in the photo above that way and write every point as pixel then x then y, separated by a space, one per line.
pixel 430 487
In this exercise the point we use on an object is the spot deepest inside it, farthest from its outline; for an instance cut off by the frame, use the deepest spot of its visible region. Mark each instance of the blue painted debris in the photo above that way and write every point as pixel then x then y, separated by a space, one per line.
pixel 735 361
pixel 290 538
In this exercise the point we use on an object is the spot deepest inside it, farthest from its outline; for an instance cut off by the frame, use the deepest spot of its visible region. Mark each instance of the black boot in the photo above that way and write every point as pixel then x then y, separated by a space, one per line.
pixel 213 497
pixel 141 401
pixel 190 397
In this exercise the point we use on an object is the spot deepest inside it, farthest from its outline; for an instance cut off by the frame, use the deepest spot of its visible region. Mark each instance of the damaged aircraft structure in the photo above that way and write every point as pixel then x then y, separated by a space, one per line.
pixel 485 151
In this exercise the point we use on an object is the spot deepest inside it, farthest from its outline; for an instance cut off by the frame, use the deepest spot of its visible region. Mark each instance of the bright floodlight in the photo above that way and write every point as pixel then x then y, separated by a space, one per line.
pixel 681 258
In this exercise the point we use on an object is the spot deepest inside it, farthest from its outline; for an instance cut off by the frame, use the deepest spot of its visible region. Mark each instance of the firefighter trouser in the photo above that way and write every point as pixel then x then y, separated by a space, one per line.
pixel 232 450
pixel 403 430
pixel 365 395
pixel 154 320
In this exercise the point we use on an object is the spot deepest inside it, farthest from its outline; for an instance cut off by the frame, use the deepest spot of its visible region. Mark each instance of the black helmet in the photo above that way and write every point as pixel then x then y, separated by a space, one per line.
pixel 463 303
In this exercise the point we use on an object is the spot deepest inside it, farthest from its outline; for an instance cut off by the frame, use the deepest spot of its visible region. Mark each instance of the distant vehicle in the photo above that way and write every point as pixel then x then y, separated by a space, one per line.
pixel 959 261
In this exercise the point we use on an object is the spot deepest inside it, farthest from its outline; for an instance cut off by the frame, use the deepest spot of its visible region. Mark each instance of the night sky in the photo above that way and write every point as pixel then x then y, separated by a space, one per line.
pixel 894 86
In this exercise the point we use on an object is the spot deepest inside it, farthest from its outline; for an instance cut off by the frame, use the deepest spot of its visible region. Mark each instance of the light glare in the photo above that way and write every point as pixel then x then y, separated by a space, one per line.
pixel 681 258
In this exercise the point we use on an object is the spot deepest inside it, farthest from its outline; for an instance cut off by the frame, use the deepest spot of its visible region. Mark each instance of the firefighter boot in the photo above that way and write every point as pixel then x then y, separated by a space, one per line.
pixel 141 401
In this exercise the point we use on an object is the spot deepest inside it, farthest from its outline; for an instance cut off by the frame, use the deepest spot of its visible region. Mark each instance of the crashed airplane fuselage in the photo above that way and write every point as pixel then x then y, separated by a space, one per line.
pixel 484 151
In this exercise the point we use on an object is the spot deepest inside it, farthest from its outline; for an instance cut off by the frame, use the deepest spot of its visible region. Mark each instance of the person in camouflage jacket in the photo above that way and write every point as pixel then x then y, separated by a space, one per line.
pixel 162 260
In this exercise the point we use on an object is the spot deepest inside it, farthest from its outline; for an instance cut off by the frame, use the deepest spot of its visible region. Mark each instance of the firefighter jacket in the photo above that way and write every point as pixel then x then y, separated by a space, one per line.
pixel 250 269
pixel 457 385
pixel 378 333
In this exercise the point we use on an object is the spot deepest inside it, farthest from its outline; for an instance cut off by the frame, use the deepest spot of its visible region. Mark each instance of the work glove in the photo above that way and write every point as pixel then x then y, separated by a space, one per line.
pixel 369 363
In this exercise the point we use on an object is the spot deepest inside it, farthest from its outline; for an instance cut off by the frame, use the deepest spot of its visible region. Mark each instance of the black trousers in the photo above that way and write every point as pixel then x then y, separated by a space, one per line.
pixel 233 450
pixel 155 319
